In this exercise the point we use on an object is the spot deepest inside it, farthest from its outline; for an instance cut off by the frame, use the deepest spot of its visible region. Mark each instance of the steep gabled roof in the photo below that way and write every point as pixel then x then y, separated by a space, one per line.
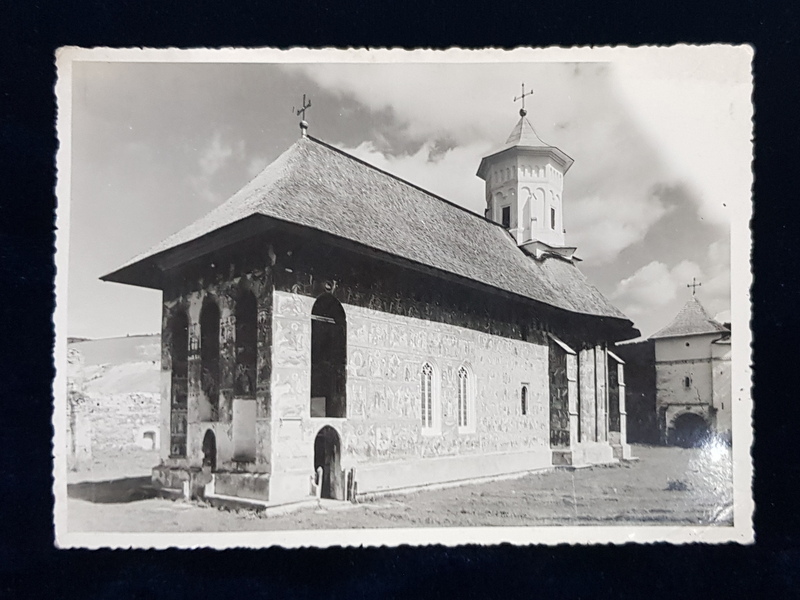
pixel 691 320
pixel 322 188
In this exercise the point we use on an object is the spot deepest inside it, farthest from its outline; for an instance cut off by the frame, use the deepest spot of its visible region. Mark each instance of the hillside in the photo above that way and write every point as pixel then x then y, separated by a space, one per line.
pixel 119 350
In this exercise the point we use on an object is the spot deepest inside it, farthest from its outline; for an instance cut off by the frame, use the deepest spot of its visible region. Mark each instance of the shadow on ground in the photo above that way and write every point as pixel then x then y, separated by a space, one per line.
pixel 115 491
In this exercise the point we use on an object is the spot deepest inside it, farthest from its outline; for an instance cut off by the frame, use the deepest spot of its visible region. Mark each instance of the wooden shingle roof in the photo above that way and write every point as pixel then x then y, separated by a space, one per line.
pixel 322 188
pixel 692 319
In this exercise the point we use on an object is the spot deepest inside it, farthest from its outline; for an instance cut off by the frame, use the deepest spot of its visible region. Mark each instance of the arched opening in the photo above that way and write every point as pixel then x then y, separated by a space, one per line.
pixel 209 356
pixel 464 400
pixel 327 455
pixel 179 349
pixel 426 395
pixel 328 358
pixel 244 383
pixel 210 450
pixel 149 440
pixel 689 431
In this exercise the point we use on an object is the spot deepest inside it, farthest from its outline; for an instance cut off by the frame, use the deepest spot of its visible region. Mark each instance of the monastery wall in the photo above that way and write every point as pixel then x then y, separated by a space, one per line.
pixel 722 388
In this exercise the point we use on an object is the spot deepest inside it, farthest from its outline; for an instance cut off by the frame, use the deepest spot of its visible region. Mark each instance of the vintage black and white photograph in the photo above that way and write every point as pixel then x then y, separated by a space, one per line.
pixel 344 297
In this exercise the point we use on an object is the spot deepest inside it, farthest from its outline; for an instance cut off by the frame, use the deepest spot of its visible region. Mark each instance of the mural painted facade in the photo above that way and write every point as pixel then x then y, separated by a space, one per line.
pixel 481 353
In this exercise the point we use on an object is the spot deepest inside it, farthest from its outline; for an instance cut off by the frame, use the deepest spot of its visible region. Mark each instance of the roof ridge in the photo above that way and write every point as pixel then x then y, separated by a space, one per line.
pixel 405 181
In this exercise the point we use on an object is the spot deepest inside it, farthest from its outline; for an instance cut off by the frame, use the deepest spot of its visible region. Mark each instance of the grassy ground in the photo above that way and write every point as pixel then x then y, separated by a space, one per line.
pixel 667 486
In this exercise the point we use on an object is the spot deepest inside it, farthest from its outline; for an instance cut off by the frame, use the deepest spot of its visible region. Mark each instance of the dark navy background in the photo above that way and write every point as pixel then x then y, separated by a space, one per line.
pixel 30 31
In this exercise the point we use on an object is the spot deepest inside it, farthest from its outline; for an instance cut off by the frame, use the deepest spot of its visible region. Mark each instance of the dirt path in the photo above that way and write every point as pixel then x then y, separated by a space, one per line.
pixel 667 486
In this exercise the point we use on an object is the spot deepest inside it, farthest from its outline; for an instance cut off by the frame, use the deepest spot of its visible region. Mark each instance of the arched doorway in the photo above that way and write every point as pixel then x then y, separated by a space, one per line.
pixel 328 358
pixel 327 454
pixel 689 431
pixel 210 450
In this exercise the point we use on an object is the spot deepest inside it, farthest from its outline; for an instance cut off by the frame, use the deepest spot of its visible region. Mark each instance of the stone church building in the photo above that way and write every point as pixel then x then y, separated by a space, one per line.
pixel 334 329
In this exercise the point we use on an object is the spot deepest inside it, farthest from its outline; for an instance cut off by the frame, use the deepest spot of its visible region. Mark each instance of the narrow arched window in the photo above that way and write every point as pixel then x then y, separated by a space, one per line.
pixel 328 358
pixel 244 382
pixel 524 399
pixel 209 357
pixel 463 397
pixel 179 397
pixel 426 392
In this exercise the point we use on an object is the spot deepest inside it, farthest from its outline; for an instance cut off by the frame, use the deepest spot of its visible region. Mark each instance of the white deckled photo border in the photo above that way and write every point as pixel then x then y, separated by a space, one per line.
pixel 739 59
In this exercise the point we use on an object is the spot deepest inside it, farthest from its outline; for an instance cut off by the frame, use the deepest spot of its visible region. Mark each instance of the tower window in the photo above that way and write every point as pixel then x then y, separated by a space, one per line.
pixel 552 218
pixel 687 382
pixel 524 398
pixel 506 219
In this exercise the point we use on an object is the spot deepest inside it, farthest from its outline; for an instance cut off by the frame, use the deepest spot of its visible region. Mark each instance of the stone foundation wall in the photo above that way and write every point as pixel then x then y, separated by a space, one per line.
pixel 124 420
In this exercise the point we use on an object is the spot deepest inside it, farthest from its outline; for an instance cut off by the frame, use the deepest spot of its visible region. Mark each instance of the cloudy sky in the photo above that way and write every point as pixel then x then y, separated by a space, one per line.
pixel 659 142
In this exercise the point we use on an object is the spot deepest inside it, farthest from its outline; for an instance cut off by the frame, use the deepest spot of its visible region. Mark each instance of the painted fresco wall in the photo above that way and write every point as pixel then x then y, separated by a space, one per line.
pixel 396 320
pixel 253 427
pixel 384 422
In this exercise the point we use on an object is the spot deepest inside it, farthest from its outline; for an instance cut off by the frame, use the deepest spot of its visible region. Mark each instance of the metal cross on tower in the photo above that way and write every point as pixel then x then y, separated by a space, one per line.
pixel 522 111
pixel 693 285
pixel 301 112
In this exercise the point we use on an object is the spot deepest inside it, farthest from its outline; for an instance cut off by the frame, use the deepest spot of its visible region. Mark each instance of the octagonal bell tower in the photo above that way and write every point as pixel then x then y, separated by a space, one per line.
pixel 524 185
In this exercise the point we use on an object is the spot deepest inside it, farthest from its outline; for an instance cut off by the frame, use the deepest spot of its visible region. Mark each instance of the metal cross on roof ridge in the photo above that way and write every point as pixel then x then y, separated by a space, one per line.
pixel 522 111
pixel 693 285
pixel 301 112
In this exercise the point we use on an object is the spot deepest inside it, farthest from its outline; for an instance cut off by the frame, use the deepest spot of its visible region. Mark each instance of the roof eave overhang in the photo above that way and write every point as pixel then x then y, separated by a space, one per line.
pixel 149 271
pixel 561 157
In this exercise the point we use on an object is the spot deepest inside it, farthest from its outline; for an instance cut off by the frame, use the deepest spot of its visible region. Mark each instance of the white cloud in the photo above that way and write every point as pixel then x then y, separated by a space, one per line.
pixel 698 108
pixel 653 286
pixel 216 154
pixel 717 288
pixel 604 226
pixel 215 157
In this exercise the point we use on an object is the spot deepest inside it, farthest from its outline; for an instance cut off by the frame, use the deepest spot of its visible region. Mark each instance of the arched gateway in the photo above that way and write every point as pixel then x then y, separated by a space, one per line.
pixel 689 431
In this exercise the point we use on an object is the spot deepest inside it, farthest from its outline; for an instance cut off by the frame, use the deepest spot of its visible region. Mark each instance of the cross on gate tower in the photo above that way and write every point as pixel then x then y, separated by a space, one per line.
pixel 693 285
pixel 301 112
pixel 522 111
